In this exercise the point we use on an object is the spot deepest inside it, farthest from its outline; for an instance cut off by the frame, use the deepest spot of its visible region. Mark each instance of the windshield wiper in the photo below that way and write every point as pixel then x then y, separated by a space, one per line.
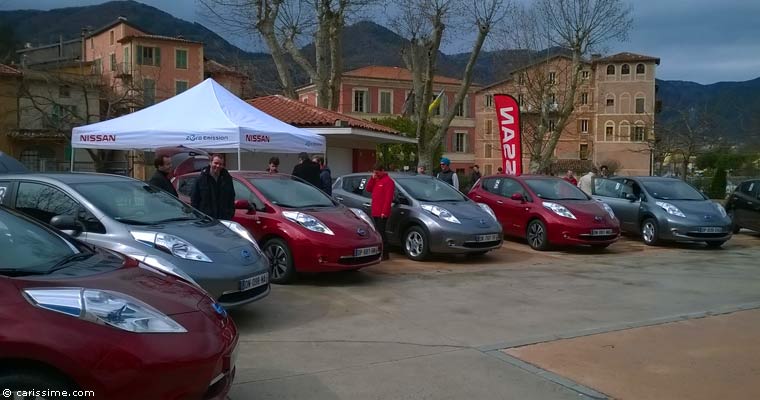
pixel 132 221
pixel 314 205
pixel 174 220
pixel 69 259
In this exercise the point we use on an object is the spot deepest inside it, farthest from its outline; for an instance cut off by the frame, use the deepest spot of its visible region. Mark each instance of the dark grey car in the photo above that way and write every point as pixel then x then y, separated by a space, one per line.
pixel 429 216
pixel 145 223
pixel 664 209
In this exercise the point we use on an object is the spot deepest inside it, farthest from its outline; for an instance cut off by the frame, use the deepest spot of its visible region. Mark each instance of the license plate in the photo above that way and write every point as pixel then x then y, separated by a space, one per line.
pixel 367 251
pixel 254 281
pixel 487 238
pixel 710 229
pixel 601 232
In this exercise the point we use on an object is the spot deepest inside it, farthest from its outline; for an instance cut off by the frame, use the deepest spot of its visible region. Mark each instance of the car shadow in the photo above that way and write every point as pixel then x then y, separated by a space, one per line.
pixel 336 279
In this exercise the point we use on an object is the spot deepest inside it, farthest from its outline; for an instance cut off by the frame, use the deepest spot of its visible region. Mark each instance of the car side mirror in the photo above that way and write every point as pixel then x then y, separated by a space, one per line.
pixel 402 200
pixel 243 204
pixel 517 197
pixel 630 197
pixel 67 223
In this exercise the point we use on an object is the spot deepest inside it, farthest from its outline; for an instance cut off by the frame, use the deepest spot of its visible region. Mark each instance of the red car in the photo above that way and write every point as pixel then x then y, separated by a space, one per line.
pixel 77 318
pixel 298 226
pixel 547 211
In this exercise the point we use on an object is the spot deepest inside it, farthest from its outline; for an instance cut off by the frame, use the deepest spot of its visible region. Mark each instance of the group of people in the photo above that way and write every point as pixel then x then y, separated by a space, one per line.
pixel 450 176
pixel 312 170
pixel 586 183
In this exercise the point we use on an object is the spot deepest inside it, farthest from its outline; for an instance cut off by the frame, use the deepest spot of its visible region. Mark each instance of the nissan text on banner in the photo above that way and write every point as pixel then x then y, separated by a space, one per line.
pixel 508 116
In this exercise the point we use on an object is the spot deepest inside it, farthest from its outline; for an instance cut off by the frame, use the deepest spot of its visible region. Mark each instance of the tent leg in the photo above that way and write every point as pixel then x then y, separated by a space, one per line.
pixel 73 151
pixel 239 165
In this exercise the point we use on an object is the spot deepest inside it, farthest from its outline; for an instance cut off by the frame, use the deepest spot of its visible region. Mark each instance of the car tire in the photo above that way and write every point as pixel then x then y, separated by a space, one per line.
pixel 649 232
pixel 415 244
pixel 714 244
pixel 735 228
pixel 538 238
pixel 281 268
pixel 30 379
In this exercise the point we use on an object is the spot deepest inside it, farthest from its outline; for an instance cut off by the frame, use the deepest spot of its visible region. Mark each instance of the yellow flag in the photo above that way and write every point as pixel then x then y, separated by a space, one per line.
pixel 435 102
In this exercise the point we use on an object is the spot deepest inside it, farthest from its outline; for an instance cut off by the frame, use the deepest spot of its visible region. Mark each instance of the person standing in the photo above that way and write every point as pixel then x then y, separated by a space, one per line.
pixel 325 177
pixel 604 171
pixel 586 183
pixel 307 170
pixel 162 177
pixel 500 170
pixel 382 188
pixel 274 165
pixel 213 192
pixel 447 175
pixel 570 177
pixel 475 174
pixel 421 170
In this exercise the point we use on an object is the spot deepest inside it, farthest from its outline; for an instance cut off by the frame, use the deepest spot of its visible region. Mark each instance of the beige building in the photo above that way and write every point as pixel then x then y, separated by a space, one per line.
pixel 611 121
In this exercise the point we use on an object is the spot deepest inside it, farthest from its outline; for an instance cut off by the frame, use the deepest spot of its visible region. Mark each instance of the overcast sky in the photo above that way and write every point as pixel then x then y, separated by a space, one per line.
pixel 705 41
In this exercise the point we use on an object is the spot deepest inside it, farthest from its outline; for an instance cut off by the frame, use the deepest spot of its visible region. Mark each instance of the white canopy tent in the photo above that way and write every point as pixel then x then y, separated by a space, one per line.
pixel 208 117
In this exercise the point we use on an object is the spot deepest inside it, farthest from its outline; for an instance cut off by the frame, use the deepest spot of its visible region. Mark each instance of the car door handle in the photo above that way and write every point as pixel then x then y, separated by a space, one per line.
pixel 499 202
pixel 478 197
pixel 339 198
pixel 367 205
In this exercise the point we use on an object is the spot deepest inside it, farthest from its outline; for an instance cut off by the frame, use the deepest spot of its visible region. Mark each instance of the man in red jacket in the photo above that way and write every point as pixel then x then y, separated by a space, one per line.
pixel 382 188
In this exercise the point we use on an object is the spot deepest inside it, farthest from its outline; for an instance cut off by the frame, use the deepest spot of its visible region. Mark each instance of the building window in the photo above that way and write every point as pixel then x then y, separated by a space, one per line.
pixel 640 69
pixel 487 169
pixel 361 98
pixel 63 114
pixel 64 91
pixel 488 151
pixel 386 104
pixel 97 66
pixel 489 100
pixel 92 43
pixel 111 38
pixel 180 86
pixel 552 125
pixel 625 69
pixel 148 56
pixel 552 77
pixel 442 106
pixel 639 105
pixel 583 151
pixel 489 127
pixel 127 60
pixel 462 107
pixel 180 59
pixel 609 133
pixel 584 98
pixel 638 134
pixel 610 102
pixel 585 74
pixel 610 70
pixel 112 58
pixel 149 92
pixel 583 125
pixel 460 143
pixel 305 99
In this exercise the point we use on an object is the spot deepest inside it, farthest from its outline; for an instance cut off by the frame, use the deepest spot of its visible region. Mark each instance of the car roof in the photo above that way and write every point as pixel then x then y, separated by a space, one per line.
pixel 648 178
pixel 69 177
pixel 391 174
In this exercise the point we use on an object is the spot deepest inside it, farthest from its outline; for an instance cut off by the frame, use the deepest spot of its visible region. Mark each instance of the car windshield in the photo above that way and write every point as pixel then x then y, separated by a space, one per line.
pixel 430 190
pixel 555 189
pixel 136 203
pixel 291 192
pixel 29 248
pixel 672 190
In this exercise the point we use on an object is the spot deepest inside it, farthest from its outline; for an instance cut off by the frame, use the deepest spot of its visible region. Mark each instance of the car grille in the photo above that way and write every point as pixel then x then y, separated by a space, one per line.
pixel 592 238
pixel 480 245
pixel 359 260
pixel 236 297
pixel 706 235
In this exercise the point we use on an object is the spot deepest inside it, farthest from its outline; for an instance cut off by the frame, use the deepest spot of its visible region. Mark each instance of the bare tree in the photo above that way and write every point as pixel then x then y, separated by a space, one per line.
pixel 423 23
pixel 688 136
pixel 575 27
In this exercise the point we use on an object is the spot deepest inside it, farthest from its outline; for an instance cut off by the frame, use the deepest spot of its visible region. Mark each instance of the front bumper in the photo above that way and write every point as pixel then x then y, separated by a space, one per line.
pixel 571 232
pixel 445 239
pixel 327 253
pixel 675 230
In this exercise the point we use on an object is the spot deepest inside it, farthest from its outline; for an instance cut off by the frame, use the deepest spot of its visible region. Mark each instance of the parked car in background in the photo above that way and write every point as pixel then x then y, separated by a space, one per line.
pixel 300 228
pixel 743 206
pixel 547 211
pixel 428 216
pixel 184 159
pixel 76 317
pixel 663 209
pixel 146 223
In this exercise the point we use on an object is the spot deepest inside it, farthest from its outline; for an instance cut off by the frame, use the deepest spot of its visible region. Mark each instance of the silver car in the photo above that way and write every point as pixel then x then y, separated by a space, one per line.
pixel 143 222
pixel 428 216
pixel 664 209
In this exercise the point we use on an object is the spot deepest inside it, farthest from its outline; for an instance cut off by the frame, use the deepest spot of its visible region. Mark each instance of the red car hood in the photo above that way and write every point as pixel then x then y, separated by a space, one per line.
pixel 342 221
pixel 586 210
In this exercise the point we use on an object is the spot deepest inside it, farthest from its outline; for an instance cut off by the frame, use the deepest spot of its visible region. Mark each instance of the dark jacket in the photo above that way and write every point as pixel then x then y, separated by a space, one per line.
pixel 475 176
pixel 214 197
pixel 162 181
pixel 308 171
pixel 446 176
pixel 325 178
pixel 383 188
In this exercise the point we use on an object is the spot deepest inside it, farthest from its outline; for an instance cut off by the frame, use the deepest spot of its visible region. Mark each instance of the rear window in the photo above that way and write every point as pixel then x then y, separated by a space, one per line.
pixel 746 188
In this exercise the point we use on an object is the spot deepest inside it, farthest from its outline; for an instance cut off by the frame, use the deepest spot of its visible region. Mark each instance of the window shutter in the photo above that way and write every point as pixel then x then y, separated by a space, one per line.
pixel 139 55
pixel 157 51
pixel 369 101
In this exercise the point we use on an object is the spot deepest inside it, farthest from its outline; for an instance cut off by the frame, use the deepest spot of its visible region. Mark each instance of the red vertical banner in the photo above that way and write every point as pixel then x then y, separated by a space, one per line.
pixel 508 116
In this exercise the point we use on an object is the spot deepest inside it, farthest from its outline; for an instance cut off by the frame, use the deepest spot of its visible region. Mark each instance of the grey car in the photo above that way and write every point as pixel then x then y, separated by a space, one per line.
pixel 663 209
pixel 428 216
pixel 143 222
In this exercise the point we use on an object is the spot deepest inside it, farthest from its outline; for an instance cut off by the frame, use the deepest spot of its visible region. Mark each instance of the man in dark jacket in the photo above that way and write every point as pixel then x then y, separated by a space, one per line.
pixel 307 170
pixel 162 177
pixel 214 193
pixel 383 189
pixel 325 176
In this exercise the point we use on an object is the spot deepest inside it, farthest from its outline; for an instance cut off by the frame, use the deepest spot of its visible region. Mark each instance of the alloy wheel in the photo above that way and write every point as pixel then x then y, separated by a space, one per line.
pixel 648 232
pixel 278 260
pixel 414 244
pixel 536 235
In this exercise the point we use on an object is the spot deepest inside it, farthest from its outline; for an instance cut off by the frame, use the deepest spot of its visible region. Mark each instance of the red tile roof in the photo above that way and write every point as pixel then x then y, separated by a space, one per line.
pixel 301 114
pixel 213 67
pixel 156 37
pixel 627 57
pixel 8 70
pixel 395 74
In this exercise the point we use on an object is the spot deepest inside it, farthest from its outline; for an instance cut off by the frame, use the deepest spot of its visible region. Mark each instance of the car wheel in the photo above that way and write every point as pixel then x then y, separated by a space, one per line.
pixel 735 228
pixel 714 244
pixel 26 380
pixel 649 232
pixel 416 244
pixel 281 269
pixel 537 236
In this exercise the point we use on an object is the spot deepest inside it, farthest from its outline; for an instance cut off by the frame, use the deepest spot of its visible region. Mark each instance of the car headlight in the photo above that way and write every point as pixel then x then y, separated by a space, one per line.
pixel 608 209
pixel 559 209
pixel 307 221
pixel 721 210
pixel 240 230
pixel 488 209
pixel 671 209
pixel 441 213
pixel 171 244
pixel 363 216
pixel 104 307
